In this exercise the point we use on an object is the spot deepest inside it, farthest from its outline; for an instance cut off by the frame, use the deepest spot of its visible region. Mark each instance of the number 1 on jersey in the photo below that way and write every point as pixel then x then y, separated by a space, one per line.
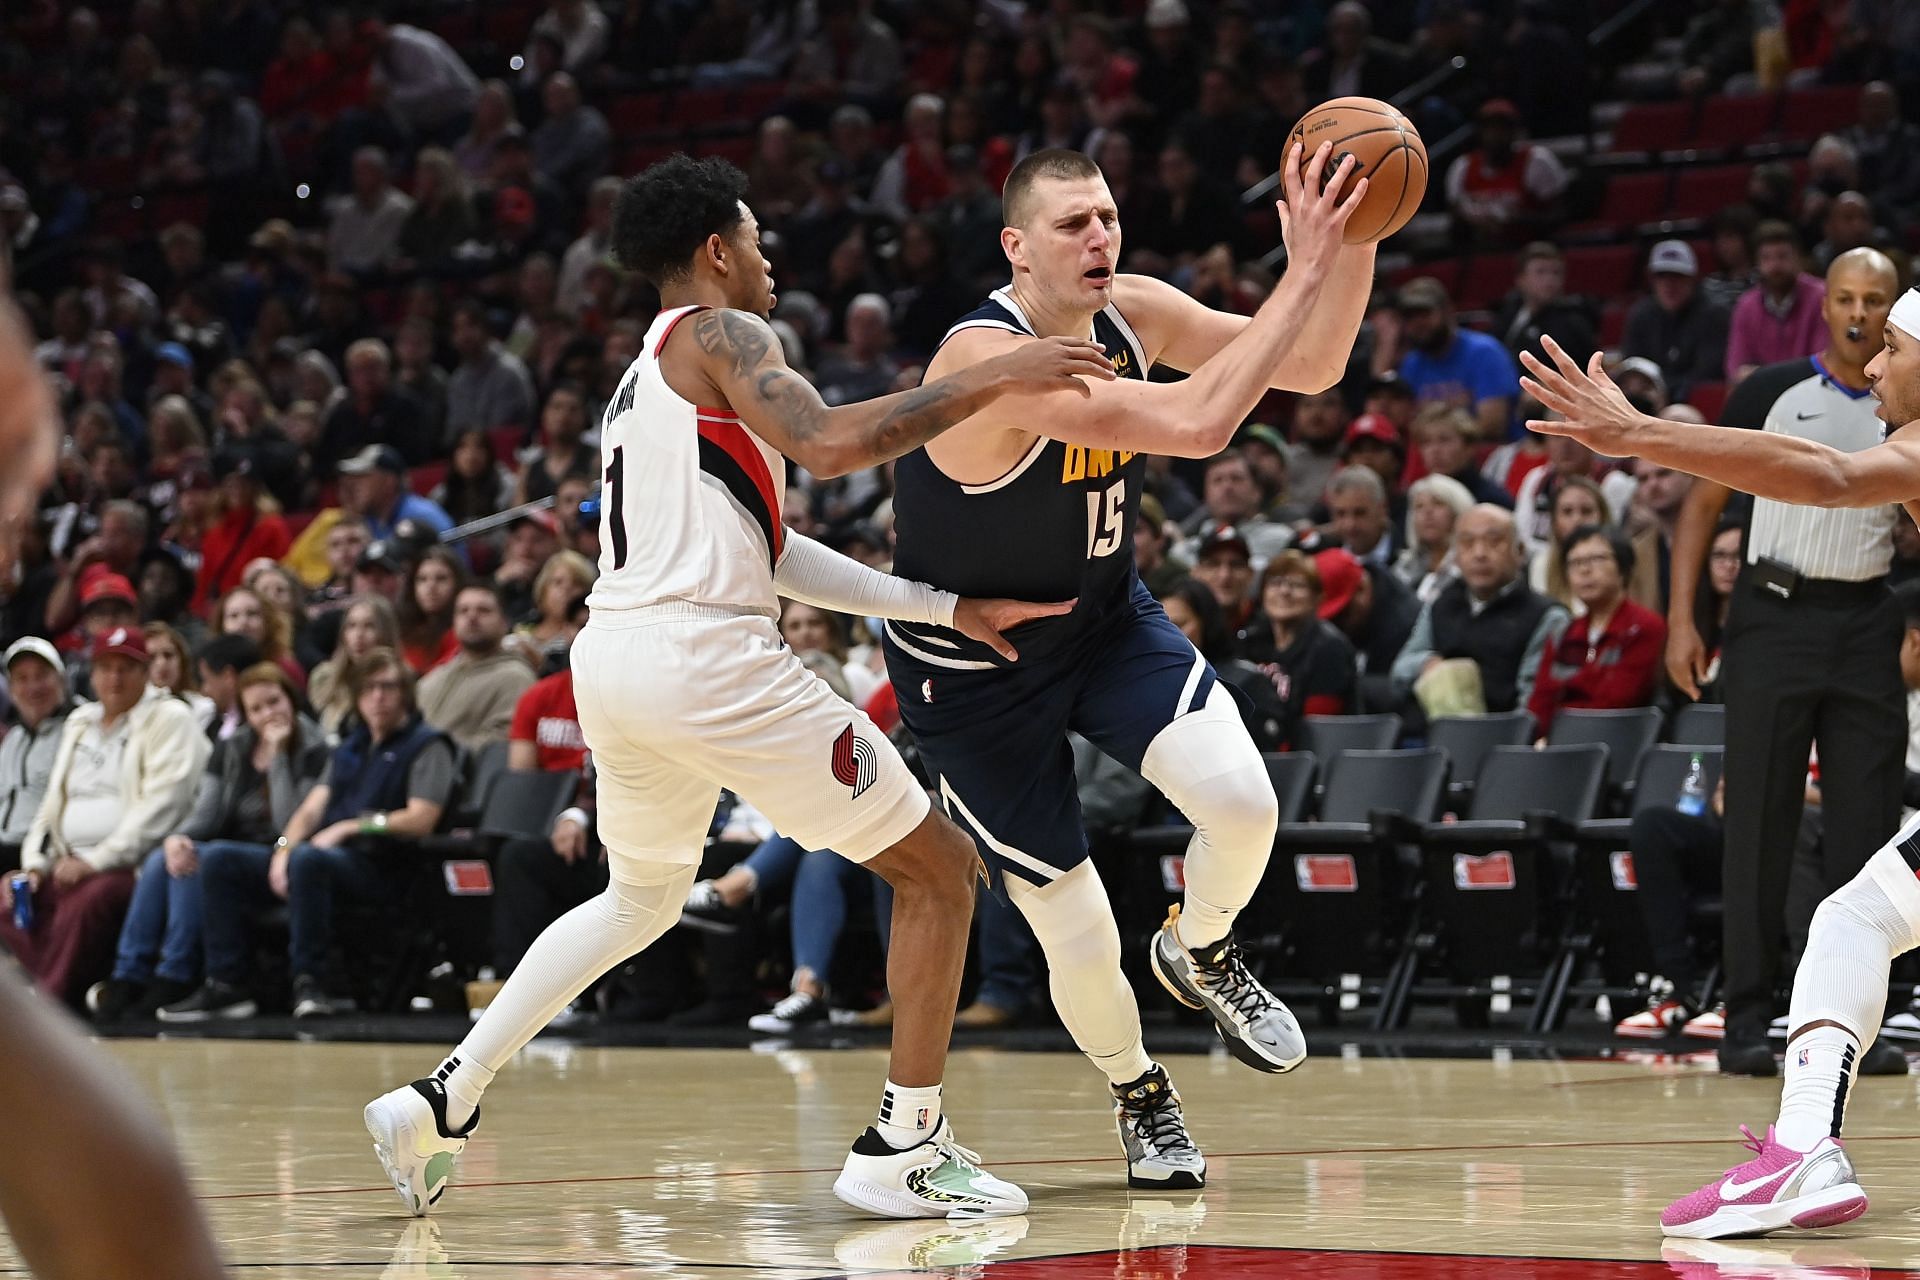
pixel 1105 522
pixel 616 513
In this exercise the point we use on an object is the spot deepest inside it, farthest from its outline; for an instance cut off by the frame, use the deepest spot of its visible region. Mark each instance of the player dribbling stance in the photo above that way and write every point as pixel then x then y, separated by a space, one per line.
pixel 684 686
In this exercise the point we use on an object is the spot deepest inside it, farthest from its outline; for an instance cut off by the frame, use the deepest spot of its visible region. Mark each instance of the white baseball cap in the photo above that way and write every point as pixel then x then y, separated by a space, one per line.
pixel 1673 258
pixel 41 649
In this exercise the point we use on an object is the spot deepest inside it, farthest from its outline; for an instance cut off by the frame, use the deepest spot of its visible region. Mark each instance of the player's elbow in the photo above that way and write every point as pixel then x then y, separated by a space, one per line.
pixel 829 460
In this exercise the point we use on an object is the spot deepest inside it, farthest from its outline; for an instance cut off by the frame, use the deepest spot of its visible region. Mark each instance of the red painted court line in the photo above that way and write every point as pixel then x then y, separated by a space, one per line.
pixel 1100 1159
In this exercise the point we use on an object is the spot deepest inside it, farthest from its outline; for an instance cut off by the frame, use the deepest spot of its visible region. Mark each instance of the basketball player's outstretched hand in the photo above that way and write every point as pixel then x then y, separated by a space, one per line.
pixel 1313 214
pixel 1596 412
pixel 1052 364
pixel 984 620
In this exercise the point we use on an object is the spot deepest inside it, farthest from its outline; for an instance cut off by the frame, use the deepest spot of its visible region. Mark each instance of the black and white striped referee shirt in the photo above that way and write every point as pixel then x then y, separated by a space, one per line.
pixel 1798 398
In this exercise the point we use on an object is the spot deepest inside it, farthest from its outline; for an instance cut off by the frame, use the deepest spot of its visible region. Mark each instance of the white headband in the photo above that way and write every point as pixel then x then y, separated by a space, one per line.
pixel 1906 313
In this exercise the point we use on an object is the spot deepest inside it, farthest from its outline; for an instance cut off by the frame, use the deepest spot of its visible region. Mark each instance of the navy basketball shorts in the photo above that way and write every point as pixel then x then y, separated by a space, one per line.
pixel 995 741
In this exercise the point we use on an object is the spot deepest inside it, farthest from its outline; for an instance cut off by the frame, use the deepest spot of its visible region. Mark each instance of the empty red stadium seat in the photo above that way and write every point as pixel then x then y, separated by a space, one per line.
pixel 1709 398
pixel 1633 198
pixel 635 113
pixel 1653 126
pixel 1729 123
pixel 752 101
pixel 505 441
pixel 427 475
pixel 1701 193
pixel 1602 271
pixel 1485 280
pixel 1613 323
pixel 1807 113
pixel 739 150
pixel 297 522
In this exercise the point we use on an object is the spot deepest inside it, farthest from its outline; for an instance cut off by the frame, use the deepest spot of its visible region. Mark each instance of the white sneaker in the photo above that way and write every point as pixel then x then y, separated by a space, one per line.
pixel 1711 1025
pixel 1904 1025
pixel 938 1178
pixel 801 1009
pixel 415 1146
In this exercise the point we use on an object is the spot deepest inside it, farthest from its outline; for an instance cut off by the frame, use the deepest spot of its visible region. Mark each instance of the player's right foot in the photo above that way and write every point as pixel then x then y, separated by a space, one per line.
pixel 1779 1187
pixel 937 1178
pixel 414 1143
pixel 1160 1153
pixel 1255 1026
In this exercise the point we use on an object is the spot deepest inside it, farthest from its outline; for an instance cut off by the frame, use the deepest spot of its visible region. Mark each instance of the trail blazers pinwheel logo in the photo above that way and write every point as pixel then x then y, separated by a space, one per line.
pixel 853 761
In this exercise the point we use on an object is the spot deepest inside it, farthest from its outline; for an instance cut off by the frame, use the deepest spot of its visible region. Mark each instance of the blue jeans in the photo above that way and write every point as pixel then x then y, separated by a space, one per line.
pixel 1009 972
pixel 236 887
pixel 164 923
pixel 773 865
pixel 821 890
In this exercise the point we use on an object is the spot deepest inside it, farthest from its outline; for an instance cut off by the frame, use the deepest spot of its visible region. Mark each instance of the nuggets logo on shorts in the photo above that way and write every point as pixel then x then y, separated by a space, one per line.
pixel 853 761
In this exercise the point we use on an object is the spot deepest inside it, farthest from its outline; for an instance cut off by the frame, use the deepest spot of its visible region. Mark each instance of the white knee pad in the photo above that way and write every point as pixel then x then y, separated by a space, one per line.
pixel 1072 918
pixel 645 898
pixel 1206 763
pixel 1074 922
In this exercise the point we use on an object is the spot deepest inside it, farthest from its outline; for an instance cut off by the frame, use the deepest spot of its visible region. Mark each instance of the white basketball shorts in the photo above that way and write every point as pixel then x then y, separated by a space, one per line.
pixel 677 702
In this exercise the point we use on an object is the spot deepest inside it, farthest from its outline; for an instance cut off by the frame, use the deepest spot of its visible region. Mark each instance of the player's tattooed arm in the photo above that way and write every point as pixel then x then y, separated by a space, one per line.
pixel 744 359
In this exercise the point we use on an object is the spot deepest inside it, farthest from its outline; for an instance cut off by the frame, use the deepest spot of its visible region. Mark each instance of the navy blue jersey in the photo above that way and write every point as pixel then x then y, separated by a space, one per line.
pixel 1057 526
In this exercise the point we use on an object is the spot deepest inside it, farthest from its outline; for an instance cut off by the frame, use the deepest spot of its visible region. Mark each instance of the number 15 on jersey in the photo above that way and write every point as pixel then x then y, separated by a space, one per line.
pixel 1106 522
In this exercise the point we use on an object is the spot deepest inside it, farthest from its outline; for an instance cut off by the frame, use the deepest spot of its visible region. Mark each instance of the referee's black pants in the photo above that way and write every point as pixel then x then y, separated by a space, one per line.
pixel 1821 668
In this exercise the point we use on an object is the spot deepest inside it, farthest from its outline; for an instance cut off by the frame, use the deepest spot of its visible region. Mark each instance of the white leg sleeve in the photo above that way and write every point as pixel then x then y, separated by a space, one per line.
pixel 574 951
pixel 1206 763
pixel 1851 946
pixel 1073 920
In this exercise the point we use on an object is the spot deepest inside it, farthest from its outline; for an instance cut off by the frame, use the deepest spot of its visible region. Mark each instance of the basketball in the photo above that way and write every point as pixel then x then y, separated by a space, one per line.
pixel 1386 149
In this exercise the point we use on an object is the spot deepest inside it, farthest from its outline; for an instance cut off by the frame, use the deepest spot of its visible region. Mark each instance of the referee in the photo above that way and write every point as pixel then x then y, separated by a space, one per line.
pixel 1811 653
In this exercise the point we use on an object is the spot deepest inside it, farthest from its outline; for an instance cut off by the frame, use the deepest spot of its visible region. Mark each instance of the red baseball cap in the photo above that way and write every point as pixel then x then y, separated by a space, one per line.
pixel 107 586
pixel 1376 427
pixel 121 642
pixel 1340 576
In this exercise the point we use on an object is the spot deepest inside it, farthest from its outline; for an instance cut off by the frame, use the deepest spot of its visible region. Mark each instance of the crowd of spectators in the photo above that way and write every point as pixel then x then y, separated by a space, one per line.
pixel 325 290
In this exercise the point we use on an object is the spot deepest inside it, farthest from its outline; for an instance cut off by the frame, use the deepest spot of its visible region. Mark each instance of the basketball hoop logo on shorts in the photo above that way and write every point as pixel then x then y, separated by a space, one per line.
pixel 853 762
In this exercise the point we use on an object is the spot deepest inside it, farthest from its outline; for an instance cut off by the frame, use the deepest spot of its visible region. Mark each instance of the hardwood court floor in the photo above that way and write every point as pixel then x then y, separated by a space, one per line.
pixel 612 1162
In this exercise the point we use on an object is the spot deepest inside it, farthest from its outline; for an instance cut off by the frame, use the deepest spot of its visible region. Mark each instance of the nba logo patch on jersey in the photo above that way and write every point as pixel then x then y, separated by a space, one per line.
pixel 854 764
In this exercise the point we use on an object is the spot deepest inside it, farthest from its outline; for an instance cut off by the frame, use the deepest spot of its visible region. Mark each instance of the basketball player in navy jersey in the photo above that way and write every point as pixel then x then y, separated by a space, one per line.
pixel 1800 1176
pixel 685 687
pixel 1038 494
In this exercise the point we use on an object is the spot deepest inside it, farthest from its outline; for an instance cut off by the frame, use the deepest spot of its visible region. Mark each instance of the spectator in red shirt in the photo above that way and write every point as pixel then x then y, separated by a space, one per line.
pixel 1610 656
pixel 249 528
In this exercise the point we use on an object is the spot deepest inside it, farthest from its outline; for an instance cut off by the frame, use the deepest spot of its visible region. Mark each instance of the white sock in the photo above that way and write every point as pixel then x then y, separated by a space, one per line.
pixel 465 1080
pixel 1206 763
pixel 1820 1067
pixel 908 1116
pixel 1851 946
pixel 639 905
pixel 1073 919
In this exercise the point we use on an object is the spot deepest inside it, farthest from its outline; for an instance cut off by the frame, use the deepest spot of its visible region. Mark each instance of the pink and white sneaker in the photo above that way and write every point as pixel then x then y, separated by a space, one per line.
pixel 1779 1187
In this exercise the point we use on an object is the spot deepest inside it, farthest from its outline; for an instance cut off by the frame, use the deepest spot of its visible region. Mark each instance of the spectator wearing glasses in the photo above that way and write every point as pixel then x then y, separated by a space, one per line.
pixel 1609 656
pixel 1312 665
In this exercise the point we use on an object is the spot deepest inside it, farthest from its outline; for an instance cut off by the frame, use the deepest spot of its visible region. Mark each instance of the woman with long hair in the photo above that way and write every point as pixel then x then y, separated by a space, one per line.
pixel 368 624
pixel 1578 503
pixel 170 665
pixel 810 630
pixel 1434 505
pixel 245 612
pixel 475 485
pixel 442 213
pixel 1711 606
pixel 425 609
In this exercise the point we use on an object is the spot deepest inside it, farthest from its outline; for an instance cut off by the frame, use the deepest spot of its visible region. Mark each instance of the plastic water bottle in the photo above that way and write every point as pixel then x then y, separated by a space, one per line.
pixel 1693 791
pixel 22 886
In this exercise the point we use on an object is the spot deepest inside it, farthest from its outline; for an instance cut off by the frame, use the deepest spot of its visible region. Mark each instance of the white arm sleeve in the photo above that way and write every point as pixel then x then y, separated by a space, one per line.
pixel 825 579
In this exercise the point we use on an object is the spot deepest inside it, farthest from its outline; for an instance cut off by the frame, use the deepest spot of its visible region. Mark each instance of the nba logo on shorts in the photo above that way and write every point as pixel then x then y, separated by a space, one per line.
pixel 853 762
pixel 1803 1057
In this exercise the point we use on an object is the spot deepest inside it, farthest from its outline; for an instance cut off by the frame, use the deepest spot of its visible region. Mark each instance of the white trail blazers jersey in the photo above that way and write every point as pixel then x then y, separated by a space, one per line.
pixel 690 505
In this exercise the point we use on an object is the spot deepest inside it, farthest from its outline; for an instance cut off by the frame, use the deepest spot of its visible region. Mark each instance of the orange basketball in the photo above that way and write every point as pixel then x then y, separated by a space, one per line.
pixel 1386 150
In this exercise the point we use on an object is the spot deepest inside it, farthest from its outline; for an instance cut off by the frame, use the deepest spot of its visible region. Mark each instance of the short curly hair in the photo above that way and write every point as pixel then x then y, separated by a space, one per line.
pixel 664 215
